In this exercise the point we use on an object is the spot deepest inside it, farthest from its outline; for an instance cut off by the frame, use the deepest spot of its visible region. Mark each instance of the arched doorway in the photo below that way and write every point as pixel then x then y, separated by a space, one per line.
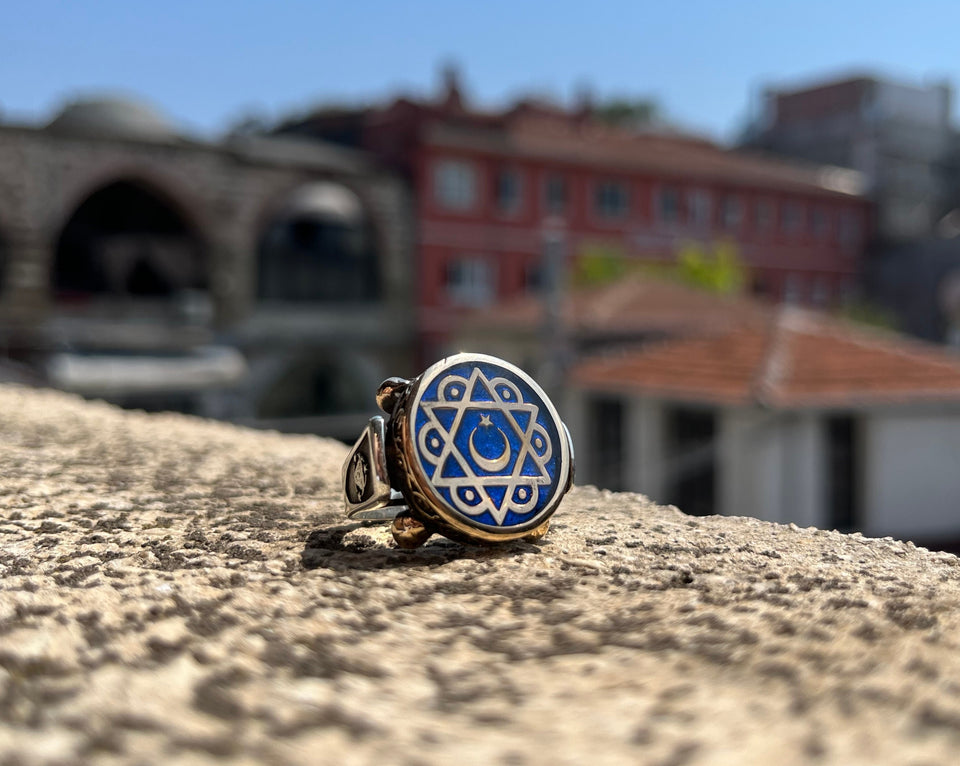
pixel 127 241
pixel 319 247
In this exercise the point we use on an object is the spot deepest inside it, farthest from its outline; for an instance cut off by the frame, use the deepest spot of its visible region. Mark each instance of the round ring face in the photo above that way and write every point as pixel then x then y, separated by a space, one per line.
pixel 488 443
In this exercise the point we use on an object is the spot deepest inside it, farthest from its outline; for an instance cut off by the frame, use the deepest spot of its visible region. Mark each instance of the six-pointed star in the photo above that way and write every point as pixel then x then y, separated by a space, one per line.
pixel 470 481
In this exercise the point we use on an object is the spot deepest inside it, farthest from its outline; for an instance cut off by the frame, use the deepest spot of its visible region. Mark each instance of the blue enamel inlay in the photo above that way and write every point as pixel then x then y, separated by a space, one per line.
pixel 488 444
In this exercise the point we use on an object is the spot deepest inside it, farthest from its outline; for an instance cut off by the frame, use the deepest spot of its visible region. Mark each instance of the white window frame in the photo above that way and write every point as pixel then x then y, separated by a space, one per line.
pixel 820 292
pixel 699 208
pixel 548 178
pixel 766 221
pixel 792 225
pixel 820 221
pixel 848 228
pixel 731 211
pixel 660 200
pixel 605 213
pixel 455 184
pixel 793 288
pixel 514 206
pixel 475 283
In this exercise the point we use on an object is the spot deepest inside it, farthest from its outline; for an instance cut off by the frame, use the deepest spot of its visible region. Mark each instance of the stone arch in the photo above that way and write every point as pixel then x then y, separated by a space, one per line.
pixel 318 243
pixel 128 238
pixel 162 180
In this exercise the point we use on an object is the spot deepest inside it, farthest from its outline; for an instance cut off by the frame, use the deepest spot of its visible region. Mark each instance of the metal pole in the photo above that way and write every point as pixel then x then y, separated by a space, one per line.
pixel 553 270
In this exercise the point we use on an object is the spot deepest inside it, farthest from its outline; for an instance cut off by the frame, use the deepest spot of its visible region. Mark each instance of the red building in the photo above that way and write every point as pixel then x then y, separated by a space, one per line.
pixel 492 189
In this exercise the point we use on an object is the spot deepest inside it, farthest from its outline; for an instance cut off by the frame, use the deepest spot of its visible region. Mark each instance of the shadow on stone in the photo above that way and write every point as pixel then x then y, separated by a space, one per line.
pixel 328 548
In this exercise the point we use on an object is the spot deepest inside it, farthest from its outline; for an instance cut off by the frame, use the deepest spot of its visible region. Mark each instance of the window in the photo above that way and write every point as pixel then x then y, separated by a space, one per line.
pixel 849 232
pixel 731 212
pixel 555 194
pixel 668 205
pixel 698 208
pixel 611 199
pixel 843 469
pixel 534 279
pixel 455 184
pixel 792 218
pixel 821 291
pixel 691 437
pixel 764 215
pixel 470 281
pixel 606 418
pixel 760 285
pixel 848 291
pixel 792 289
pixel 820 222
pixel 509 191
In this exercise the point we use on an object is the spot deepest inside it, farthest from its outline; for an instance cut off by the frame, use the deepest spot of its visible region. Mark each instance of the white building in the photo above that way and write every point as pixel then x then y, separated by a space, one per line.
pixel 783 415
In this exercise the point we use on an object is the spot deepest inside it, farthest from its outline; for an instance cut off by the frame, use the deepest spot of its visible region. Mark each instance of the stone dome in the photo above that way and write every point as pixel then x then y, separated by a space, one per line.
pixel 113 118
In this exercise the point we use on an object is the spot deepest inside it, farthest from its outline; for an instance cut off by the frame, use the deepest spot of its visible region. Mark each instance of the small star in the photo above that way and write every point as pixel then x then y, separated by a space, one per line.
pixel 485 420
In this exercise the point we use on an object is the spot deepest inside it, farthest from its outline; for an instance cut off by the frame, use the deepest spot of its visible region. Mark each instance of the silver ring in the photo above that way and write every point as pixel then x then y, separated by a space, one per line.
pixel 473 449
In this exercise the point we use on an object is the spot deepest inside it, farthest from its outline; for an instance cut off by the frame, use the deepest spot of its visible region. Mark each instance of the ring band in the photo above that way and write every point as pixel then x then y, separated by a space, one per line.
pixel 473 449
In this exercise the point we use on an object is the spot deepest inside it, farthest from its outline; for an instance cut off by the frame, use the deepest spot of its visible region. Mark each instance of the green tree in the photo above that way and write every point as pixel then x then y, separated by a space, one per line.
pixel 718 269
pixel 599 263
pixel 627 112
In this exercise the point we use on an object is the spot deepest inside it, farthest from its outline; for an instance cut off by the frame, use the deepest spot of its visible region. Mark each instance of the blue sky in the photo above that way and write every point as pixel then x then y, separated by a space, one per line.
pixel 206 63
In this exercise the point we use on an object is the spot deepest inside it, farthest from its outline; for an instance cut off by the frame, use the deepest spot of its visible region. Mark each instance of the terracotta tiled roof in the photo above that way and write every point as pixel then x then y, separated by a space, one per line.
pixel 794 358
pixel 717 370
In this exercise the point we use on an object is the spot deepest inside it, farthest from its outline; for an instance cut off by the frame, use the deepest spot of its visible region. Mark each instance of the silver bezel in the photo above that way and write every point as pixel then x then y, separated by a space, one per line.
pixel 452 515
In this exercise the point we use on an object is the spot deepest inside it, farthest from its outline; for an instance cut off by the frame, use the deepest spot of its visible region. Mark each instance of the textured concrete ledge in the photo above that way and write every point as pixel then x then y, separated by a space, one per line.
pixel 173 590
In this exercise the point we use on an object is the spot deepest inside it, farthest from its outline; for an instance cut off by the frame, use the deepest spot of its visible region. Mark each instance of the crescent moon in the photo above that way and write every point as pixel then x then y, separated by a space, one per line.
pixel 496 464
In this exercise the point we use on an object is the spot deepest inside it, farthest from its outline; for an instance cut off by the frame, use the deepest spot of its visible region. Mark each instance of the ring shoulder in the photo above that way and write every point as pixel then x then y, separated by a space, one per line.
pixel 365 475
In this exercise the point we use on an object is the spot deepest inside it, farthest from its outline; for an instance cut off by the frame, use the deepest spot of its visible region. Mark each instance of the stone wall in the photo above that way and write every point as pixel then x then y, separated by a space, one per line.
pixel 177 590
pixel 227 194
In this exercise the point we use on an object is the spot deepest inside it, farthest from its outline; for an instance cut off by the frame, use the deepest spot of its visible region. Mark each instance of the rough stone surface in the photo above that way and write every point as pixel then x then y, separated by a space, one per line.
pixel 173 590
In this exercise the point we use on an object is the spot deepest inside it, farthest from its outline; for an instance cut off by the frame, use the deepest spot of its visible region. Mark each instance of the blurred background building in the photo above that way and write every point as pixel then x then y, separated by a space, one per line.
pixel 902 139
pixel 263 280
pixel 492 189
pixel 899 136
pixel 722 403
pixel 680 299
pixel 780 413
